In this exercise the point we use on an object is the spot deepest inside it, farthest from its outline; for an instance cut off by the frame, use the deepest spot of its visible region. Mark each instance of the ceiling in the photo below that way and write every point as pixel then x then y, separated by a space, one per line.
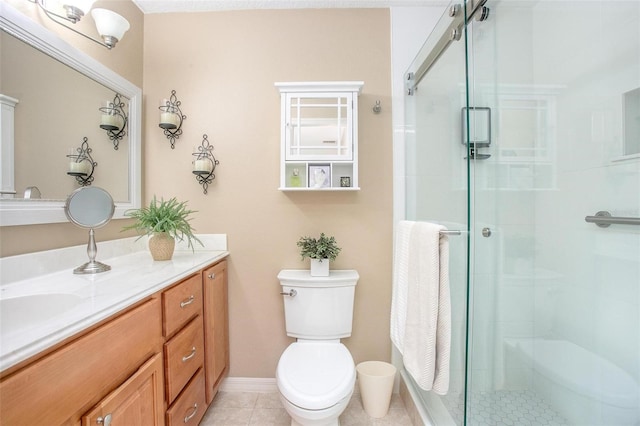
pixel 167 6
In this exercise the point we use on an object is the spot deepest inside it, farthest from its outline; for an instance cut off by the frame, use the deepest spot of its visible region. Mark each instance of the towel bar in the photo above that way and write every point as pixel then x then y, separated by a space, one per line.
pixel 453 232
pixel 603 219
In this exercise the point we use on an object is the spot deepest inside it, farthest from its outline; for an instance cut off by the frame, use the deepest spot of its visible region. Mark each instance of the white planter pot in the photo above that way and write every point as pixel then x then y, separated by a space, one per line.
pixel 319 268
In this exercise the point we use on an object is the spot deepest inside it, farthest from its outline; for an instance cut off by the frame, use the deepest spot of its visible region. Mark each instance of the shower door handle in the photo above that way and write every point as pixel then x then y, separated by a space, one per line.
pixel 486 232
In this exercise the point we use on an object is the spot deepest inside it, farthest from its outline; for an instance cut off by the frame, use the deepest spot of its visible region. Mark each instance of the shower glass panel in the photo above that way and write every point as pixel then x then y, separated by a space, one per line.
pixel 555 325
pixel 437 191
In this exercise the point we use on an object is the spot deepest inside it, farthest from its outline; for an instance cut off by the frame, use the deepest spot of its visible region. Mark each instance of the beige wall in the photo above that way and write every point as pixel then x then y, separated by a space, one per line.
pixel 126 60
pixel 223 66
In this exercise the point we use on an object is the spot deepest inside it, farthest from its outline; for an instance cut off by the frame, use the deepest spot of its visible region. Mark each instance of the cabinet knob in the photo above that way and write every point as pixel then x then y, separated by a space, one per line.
pixel 188 301
pixel 193 413
pixel 211 276
pixel 104 421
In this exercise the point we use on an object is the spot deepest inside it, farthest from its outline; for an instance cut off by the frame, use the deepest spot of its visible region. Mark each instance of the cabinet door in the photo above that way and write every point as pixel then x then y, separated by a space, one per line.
pixel 138 401
pixel 216 333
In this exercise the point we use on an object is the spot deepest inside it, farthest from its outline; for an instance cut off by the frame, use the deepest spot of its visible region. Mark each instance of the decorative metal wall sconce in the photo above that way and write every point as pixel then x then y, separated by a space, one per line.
pixel 114 120
pixel 82 165
pixel 204 164
pixel 171 118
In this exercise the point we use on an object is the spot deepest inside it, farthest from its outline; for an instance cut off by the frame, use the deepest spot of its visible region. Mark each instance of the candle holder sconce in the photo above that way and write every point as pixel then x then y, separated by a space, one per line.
pixel 204 164
pixel 82 165
pixel 171 118
pixel 114 120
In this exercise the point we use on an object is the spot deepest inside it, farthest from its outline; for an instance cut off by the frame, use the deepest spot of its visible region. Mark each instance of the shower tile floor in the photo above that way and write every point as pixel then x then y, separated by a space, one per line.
pixel 504 408
pixel 265 409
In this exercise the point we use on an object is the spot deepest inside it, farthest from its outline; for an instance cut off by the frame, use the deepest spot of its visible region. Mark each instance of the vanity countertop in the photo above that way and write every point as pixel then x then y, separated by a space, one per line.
pixel 38 311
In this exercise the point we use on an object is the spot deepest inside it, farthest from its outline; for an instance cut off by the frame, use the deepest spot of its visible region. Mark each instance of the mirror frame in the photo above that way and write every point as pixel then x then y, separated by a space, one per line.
pixel 31 212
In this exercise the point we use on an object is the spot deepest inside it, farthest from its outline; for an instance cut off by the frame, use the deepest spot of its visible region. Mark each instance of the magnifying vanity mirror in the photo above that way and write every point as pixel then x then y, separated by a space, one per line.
pixel 59 91
pixel 90 207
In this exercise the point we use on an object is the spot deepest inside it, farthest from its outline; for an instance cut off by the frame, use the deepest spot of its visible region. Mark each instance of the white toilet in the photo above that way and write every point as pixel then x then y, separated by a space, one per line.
pixel 316 374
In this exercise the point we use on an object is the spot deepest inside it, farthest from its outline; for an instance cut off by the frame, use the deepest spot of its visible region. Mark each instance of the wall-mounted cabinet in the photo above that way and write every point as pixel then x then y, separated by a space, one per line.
pixel 319 136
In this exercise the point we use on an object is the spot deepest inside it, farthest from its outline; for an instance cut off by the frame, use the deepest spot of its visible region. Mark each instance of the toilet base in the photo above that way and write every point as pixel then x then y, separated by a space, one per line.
pixel 333 423
pixel 326 417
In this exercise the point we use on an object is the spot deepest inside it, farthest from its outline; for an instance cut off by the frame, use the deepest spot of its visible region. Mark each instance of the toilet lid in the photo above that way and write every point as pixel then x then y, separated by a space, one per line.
pixel 315 375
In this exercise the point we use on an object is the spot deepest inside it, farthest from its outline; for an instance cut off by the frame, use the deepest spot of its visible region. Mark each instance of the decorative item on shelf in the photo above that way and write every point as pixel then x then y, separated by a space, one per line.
pixel 345 181
pixel 295 181
pixel 114 120
pixel 109 24
pixel 171 118
pixel 204 164
pixel 164 221
pixel 320 251
pixel 82 165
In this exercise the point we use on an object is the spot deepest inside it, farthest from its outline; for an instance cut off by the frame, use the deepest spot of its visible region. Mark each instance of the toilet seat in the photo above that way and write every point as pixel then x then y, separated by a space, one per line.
pixel 316 375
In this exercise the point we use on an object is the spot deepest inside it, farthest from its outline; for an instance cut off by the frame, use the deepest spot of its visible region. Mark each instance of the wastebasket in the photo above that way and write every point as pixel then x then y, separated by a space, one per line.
pixel 375 379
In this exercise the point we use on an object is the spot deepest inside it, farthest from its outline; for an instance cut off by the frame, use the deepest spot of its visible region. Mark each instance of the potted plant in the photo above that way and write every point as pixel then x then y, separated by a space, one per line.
pixel 320 251
pixel 165 221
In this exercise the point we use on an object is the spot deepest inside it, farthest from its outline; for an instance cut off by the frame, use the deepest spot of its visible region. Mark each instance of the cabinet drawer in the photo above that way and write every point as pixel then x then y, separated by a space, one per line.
pixel 184 354
pixel 190 406
pixel 180 303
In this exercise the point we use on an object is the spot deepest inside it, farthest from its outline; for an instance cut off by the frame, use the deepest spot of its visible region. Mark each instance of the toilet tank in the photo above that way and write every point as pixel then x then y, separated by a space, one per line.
pixel 319 308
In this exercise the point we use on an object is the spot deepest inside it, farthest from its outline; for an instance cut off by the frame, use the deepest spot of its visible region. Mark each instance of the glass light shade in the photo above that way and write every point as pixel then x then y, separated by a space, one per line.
pixel 110 24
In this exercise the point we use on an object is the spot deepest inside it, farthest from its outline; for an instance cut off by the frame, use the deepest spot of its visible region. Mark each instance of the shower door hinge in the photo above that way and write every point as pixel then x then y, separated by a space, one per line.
pixel 409 83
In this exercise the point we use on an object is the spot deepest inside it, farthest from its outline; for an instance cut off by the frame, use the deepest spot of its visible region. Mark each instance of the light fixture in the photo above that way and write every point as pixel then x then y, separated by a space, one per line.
pixel 114 120
pixel 110 25
pixel 171 118
pixel 82 165
pixel 204 164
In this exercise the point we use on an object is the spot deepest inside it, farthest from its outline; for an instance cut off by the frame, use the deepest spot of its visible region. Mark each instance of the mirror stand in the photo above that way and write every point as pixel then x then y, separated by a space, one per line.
pixel 92 267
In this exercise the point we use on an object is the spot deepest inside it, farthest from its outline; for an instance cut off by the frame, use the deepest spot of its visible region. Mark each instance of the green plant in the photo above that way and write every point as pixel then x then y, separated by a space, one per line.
pixel 170 216
pixel 320 248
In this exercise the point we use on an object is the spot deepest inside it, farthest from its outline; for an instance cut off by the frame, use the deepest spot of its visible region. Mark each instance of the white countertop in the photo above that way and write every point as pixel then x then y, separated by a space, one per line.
pixel 42 309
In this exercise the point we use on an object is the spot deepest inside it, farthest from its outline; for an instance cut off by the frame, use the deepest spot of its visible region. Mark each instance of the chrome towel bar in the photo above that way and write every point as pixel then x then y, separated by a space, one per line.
pixel 453 232
pixel 603 219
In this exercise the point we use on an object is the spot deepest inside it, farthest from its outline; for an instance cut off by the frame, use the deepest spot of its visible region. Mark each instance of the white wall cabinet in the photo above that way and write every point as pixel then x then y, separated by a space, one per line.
pixel 319 136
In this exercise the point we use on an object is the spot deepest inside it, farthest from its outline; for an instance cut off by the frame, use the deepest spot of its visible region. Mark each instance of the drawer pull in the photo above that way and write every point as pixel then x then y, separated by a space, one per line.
pixel 188 301
pixel 191 355
pixel 211 276
pixel 104 421
pixel 190 416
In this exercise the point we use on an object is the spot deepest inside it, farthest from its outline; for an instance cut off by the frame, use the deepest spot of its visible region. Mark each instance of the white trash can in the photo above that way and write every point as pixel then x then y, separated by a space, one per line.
pixel 375 379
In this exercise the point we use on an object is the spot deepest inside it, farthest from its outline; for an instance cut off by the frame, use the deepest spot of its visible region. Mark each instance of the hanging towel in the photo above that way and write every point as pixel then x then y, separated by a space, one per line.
pixel 400 283
pixel 427 334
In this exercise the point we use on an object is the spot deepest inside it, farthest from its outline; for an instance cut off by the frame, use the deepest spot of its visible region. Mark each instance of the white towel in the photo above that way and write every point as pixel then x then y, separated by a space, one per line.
pixel 400 282
pixel 427 334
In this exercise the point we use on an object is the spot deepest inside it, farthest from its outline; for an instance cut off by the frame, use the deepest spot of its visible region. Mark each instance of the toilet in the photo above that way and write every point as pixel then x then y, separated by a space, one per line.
pixel 316 374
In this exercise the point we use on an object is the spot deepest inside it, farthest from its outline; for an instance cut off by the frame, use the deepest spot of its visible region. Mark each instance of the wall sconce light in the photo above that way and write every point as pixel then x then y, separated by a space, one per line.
pixel 204 164
pixel 82 165
pixel 114 120
pixel 171 118
pixel 110 25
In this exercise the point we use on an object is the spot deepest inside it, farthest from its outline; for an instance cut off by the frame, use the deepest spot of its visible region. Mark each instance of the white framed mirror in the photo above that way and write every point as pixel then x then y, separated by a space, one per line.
pixel 18 210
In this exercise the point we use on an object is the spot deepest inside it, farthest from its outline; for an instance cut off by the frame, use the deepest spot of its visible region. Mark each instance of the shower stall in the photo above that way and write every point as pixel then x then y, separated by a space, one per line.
pixel 522 130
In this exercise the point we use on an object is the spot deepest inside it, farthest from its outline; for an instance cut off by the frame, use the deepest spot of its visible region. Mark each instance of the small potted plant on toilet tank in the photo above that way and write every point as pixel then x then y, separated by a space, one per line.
pixel 320 251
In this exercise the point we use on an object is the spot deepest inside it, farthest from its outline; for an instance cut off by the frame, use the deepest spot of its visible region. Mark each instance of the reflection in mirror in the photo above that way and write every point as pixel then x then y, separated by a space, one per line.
pixel 55 110
pixel 90 207
pixel 51 116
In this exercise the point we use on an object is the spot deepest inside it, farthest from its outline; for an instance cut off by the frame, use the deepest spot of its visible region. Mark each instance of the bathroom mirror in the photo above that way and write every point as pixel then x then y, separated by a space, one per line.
pixel 118 170
pixel 90 207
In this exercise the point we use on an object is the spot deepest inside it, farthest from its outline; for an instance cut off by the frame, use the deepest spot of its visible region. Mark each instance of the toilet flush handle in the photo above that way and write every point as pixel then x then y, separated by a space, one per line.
pixel 291 293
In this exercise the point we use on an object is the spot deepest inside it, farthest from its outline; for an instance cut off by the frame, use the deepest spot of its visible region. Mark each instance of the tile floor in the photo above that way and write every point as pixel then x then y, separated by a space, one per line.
pixel 265 409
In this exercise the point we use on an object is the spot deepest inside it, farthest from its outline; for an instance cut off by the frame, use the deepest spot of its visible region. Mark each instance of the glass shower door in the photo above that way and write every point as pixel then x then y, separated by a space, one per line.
pixel 437 191
pixel 555 325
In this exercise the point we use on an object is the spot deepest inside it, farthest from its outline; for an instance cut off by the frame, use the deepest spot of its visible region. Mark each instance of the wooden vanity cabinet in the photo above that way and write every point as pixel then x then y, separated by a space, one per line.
pixel 159 362
pixel 61 387
pixel 216 326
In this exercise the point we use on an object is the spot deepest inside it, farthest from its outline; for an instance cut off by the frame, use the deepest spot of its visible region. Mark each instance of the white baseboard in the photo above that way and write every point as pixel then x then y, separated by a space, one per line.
pixel 248 384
